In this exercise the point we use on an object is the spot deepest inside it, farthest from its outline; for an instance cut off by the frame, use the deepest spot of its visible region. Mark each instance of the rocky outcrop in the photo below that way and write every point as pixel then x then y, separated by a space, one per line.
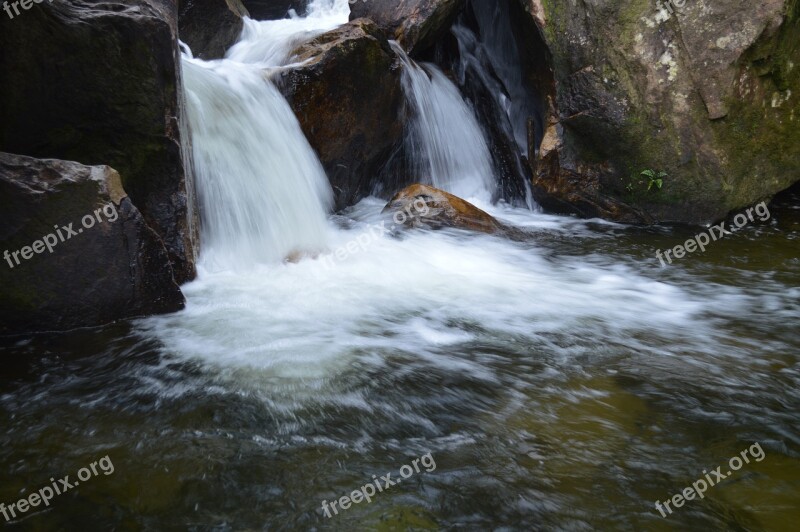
pixel 76 252
pixel 347 97
pixel 274 9
pixel 210 27
pixel 415 24
pixel 425 206
pixel 99 82
pixel 708 92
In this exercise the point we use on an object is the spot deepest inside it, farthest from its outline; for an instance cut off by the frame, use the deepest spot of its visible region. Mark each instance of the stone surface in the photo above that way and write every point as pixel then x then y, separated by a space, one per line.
pixel 347 97
pixel 415 24
pixel 99 83
pixel 274 9
pixel 210 27
pixel 110 269
pixel 425 206
pixel 709 94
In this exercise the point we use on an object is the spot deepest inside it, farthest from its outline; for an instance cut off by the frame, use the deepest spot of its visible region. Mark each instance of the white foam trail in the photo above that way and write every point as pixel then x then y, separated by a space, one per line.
pixel 445 143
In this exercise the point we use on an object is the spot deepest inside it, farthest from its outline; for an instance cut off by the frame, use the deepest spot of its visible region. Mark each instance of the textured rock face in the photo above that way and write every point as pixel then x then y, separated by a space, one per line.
pixel 415 24
pixel 274 9
pixel 210 27
pixel 426 206
pixel 708 92
pixel 99 83
pixel 76 252
pixel 347 97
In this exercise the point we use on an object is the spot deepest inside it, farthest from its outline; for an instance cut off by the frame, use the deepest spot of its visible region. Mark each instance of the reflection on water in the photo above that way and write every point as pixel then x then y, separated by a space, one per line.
pixel 566 382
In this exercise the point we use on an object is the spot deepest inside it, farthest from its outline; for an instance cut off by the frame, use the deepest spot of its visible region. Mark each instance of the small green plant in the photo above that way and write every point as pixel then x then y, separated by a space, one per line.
pixel 654 179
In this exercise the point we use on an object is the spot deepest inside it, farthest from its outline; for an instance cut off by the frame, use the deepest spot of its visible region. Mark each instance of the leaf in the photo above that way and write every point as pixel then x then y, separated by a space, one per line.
pixel 648 173
pixel 659 183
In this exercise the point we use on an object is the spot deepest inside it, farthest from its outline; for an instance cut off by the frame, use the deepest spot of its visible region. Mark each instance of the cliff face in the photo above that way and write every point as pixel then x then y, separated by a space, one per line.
pixel 708 93
pixel 99 83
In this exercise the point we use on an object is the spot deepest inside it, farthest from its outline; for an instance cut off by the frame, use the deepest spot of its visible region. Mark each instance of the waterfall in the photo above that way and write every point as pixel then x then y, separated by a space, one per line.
pixel 262 191
pixel 445 144
pixel 496 51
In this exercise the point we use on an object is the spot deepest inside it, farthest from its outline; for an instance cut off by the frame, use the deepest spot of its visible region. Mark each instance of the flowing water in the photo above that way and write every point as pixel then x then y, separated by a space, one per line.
pixel 445 142
pixel 563 381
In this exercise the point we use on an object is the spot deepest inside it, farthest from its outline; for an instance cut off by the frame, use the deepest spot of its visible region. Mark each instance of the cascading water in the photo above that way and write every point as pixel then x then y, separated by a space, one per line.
pixel 551 378
pixel 444 142
pixel 262 190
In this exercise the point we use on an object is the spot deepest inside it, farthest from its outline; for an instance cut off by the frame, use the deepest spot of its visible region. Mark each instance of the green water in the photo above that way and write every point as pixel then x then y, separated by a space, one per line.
pixel 580 426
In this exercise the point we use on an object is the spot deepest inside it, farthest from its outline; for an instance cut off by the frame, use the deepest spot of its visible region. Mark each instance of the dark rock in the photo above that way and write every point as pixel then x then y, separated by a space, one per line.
pixel 210 27
pixel 274 9
pixel 110 269
pixel 707 94
pixel 415 24
pixel 99 82
pixel 347 97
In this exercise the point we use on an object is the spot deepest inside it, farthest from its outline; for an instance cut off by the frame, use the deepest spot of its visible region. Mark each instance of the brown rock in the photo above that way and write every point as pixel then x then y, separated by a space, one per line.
pixel 425 206
pixel 415 24
pixel 347 97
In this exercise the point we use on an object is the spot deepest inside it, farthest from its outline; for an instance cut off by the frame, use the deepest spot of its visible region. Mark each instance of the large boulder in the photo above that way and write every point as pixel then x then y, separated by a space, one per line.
pixel 415 24
pixel 99 82
pixel 75 251
pixel 708 93
pixel 347 96
pixel 210 27
pixel 423 206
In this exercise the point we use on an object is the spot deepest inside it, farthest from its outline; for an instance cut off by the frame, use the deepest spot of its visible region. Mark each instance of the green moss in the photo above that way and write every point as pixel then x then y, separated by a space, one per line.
pixel 762 140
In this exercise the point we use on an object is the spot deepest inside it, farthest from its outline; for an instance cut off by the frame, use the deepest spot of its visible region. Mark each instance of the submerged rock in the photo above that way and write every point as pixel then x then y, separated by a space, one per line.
pixel 425 206
pixel 99 82
pixel 210 27
pixel 415 24
pixel 347 95
pixel 75 251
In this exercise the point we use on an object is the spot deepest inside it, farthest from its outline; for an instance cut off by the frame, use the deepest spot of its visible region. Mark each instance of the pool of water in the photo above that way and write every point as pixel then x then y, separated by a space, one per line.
pixel 566 381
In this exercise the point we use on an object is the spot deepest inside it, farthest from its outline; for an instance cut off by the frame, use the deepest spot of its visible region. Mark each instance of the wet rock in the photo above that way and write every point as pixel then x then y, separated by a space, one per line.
pixel 425 206
pixel 706 92
pixel 274 9
pixel 347 97
pixel 99 82
pixel 415 24
pixel 76 252
pixel 210 27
